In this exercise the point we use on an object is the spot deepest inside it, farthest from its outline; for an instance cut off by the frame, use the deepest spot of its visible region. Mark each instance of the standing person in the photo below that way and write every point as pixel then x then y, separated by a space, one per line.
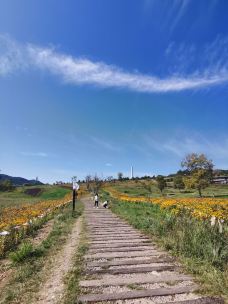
pixel 96 200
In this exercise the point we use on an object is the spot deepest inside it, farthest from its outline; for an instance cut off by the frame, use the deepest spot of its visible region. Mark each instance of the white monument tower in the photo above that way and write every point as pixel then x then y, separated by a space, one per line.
pixel 132 172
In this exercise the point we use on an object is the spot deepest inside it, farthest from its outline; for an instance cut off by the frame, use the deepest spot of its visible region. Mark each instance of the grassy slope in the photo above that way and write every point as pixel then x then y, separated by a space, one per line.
pixel 18 197
pixel 137 188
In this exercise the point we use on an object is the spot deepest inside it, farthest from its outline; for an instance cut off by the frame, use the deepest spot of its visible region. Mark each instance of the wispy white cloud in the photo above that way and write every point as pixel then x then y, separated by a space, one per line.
pixel 36 154
pixel 180 145
pixel 106 145
pixel 108 165
pixel 179 7
pixel 173 13
pixel 81 71
pixel 206 59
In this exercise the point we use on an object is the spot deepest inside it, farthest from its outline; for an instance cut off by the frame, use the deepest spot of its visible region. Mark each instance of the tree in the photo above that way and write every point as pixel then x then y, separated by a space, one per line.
pixel 6 185
pixel 88 181
pixel 97 183
pixel 148 186
pixel 199 171
pixel 161 183
pixel 178 182
pixel 120 175
pixel 109 179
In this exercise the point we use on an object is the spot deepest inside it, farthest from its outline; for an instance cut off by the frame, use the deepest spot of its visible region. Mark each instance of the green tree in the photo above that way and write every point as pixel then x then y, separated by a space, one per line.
pixel 6 185
pixel 120 175
pixel 178 182
pixel 199 171
pixel 149 186
pixel 161 183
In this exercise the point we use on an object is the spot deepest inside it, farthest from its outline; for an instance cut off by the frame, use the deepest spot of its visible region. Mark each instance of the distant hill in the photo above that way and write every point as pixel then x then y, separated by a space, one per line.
pixel 19 181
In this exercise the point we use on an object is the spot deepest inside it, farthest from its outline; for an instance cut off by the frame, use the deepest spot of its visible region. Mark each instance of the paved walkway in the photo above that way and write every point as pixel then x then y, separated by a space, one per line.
pixel 124 266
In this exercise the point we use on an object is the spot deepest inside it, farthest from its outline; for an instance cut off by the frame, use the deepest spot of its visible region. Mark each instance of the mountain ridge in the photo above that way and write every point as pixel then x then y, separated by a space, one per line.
pixel 19 181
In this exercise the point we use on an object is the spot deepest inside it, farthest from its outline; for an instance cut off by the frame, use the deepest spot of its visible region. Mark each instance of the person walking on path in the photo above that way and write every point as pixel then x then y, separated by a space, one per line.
pixel 96 200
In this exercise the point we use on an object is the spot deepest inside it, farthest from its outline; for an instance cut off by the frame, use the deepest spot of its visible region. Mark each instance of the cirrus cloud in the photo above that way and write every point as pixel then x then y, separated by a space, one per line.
pixel 15 57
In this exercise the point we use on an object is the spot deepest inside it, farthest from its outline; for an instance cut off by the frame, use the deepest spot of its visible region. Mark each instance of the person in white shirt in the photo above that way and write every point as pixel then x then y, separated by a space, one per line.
pixel 96 200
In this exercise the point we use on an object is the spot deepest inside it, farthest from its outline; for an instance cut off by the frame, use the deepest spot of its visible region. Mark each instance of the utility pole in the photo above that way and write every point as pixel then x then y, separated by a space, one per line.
pixel 75 189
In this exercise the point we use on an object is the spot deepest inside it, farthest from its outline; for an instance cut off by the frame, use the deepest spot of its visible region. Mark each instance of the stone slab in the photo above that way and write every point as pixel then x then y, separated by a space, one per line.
pixel 119 245
pixel 138 261
pixel 120 241
pixel 124 249
pixel 145 279
pixel 122 254
pixel 135 294
pixel 125 270
pixel 130 237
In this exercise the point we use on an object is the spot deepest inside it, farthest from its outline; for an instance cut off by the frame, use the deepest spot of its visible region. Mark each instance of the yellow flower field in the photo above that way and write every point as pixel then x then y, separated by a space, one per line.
pixel 15 223
pixel 11 217
pixel 201 208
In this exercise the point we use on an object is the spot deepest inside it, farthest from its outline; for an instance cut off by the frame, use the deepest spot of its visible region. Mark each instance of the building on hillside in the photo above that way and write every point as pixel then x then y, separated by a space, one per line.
pixel 221 180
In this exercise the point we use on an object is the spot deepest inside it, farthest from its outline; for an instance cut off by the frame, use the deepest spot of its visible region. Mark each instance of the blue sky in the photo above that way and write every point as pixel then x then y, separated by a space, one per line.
pixel 97 86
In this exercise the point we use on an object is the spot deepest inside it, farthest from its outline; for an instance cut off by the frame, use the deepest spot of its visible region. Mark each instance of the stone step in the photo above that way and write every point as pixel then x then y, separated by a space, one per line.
pixel 106 221
pixel 124 249
pixel 103 222
pixel 119 245
pixel 113 235
pixel 91 217
pixel 133 270
pixel 113 280
pixel 130 237
pixel 110 229
pixel 113 229
pixel 93 235
pixel 120 241
pixel 135 294
pixel 123 262
pixel 117 237
pixel 123 254
pixel 96 214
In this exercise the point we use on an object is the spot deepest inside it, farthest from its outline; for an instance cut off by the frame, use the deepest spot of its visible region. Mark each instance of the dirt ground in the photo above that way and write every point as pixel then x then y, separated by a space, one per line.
pixel 51 291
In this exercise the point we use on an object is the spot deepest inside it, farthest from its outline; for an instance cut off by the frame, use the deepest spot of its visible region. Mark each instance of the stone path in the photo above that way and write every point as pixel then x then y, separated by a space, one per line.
pixel 124 266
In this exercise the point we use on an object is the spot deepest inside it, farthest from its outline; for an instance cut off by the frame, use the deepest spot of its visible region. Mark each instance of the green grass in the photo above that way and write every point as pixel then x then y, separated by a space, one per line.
pixel 54 193
pixel 30 263
pixel 18 197
pixel 25 251
pixel 200 247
